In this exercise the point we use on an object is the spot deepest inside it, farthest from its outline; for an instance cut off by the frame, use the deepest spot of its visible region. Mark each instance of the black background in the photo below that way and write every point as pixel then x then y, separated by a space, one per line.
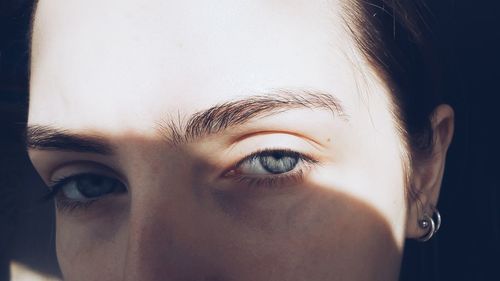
pixel 468 244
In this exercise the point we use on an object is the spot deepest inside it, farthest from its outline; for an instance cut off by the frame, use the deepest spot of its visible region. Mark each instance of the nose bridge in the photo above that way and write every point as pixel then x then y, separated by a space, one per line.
pixel 164 239
pixel 161 232
pixel 150 231
pixel 148 245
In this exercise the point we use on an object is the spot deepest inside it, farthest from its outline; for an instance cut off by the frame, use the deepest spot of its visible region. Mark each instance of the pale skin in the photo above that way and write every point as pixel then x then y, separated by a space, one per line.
pixel 119 72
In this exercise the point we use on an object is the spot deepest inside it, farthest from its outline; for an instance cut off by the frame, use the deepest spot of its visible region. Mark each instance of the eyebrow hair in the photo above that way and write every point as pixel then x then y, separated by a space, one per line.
pixel 51 138
pixel 237 112
pixel 202 123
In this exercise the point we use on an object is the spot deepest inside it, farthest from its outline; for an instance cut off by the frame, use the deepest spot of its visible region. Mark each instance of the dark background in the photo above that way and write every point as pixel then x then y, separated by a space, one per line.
pixel 468 244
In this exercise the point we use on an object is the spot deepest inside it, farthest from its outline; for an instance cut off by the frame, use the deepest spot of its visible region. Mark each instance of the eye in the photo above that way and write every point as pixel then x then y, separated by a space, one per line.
pixel 82 189
pixel 271 167
pixel 270 162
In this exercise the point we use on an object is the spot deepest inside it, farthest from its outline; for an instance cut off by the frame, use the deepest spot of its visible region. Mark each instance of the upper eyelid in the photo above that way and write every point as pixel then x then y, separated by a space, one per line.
pixel 95 168
pixel 66 179
pixel 275 140
pixel 48 171
pixel 316 144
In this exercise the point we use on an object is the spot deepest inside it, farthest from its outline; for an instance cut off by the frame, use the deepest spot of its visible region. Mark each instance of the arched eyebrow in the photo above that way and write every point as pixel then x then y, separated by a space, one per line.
pixel 206 122
pixel 237 112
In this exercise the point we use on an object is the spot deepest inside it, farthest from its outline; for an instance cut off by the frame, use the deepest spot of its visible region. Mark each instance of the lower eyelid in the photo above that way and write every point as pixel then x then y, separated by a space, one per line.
pixel 69 206
pixel 66 205
pixel 282 180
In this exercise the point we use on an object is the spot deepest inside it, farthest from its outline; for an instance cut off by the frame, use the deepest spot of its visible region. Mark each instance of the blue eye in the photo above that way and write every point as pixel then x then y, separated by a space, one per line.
pixel 270 162
pixel 87 187
pixel 271 168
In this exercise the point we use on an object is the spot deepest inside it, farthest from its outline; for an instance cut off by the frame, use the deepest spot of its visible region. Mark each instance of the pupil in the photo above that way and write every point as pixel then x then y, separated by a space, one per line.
pixel 277 155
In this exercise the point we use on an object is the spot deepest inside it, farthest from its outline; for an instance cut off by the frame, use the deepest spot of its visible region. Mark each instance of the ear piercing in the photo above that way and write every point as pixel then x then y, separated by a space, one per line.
pixel 432 223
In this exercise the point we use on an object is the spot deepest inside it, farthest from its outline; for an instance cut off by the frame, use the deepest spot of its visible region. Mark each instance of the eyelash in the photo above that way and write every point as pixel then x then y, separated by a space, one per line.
pixel 296 175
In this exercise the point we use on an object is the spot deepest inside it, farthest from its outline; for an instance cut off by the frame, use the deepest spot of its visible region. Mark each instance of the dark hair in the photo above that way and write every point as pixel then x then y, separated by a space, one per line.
pixel 396 39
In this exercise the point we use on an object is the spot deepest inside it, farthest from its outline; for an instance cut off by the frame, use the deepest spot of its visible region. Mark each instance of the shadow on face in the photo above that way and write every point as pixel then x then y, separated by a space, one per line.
pixel 179 220
pixel 328 206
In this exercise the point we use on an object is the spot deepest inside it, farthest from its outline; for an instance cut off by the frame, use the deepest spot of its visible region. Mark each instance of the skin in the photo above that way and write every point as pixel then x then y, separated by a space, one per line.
pixel 115 70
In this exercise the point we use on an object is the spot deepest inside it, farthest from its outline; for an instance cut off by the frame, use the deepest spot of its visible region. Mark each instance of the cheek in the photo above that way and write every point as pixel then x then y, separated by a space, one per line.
pixel 374 178
pixel 311 233
pixel 320 234
pixel 89 249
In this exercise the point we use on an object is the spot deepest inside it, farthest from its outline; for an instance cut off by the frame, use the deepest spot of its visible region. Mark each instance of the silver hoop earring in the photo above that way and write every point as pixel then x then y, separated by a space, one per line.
pixel 437 215
pixel 427 222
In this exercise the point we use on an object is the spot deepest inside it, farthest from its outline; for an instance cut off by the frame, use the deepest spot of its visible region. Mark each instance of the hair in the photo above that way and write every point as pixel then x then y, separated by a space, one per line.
pixel 395 38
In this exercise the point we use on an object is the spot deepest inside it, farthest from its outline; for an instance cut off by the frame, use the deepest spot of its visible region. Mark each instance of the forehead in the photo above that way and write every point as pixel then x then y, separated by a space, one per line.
pixel 109 63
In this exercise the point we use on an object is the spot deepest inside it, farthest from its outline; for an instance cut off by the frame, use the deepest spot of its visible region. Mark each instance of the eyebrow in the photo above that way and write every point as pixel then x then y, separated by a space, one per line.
pixel 237 112
pixel 52 138
pixel 200 124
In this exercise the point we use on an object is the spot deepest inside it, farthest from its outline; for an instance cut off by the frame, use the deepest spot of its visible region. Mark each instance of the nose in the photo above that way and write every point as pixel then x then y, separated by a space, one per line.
pixel 165 238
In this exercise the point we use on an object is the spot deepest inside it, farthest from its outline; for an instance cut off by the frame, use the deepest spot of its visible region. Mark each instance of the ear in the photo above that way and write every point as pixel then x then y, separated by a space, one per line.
pixel 428 170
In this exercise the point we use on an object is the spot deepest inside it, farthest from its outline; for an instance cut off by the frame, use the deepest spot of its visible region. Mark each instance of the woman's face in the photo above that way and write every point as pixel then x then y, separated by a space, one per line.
pixel 226 140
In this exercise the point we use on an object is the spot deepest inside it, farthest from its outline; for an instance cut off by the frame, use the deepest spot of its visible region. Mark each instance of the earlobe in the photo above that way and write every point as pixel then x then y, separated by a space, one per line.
pixel 428 173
